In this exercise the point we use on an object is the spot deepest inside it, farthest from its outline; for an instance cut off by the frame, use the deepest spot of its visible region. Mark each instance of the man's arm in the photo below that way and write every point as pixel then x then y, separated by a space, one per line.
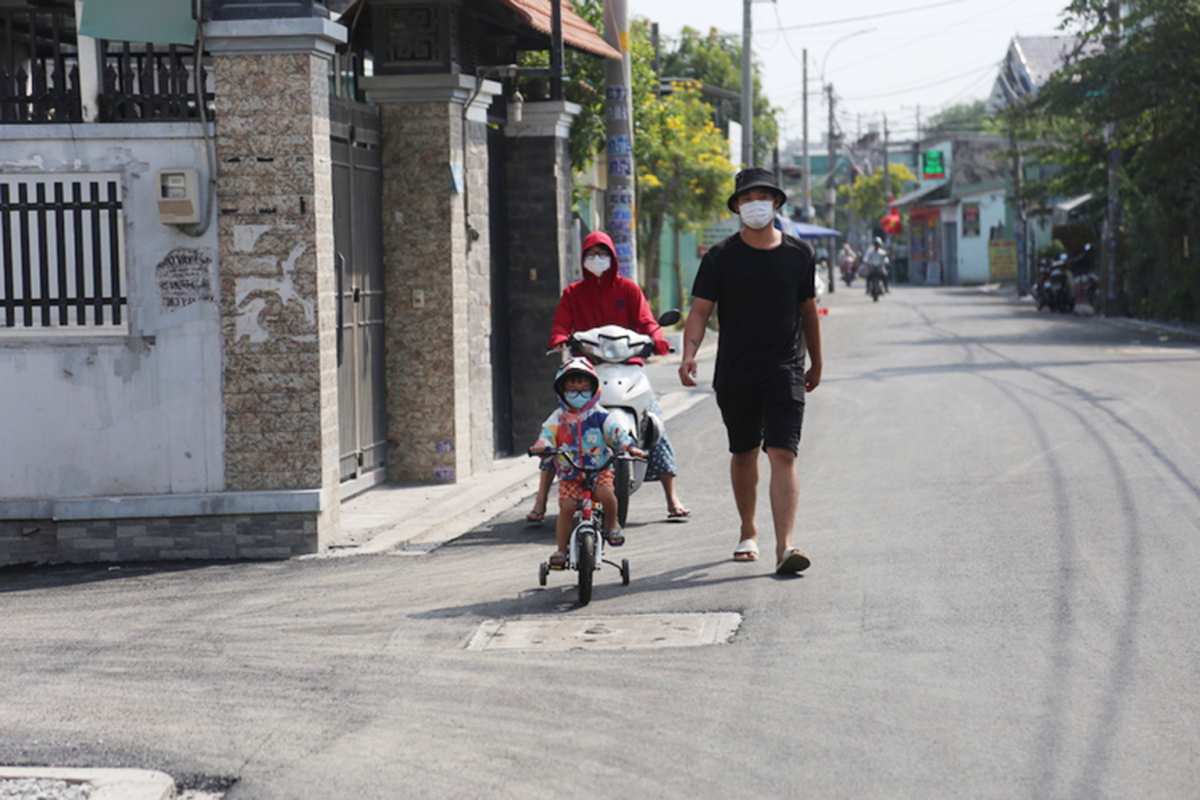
pixel 809 323
pixel 693 335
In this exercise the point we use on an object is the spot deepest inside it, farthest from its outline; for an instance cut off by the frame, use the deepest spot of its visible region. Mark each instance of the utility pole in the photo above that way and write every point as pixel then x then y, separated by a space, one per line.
pixel 887 173
pixel 747 90
pixel 830 181
pixel 807 182
pixel 1112 216
pixel 618 102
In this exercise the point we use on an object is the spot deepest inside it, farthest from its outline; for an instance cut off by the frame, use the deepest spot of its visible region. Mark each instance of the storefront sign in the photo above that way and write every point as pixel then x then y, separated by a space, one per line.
pixel 1002 259
pixel 970 219
pixel 932 165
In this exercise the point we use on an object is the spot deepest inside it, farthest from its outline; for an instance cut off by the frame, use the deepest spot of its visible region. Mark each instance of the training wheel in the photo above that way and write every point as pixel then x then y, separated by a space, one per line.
pixel 624 571
pixel 543 571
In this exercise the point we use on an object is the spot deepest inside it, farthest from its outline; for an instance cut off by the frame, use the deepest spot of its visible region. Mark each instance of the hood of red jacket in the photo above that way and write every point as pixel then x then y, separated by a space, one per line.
pixel 604 240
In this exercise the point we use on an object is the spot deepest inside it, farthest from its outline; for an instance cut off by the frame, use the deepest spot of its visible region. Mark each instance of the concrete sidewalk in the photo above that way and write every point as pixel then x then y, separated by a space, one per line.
pixel 415 518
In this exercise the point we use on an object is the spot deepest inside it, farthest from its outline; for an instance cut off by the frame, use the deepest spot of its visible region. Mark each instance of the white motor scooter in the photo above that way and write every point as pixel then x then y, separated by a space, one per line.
pixel 624 392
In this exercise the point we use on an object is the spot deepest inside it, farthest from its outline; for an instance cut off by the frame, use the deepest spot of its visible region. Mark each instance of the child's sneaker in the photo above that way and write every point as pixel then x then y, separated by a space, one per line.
pixel 615 537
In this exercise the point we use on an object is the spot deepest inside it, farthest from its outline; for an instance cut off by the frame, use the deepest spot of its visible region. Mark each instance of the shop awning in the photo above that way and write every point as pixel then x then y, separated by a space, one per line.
pixel 919 195
pixel 576 31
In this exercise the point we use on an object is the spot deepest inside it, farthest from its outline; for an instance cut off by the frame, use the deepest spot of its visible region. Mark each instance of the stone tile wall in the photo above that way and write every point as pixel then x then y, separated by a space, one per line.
pixel 539 203
pixel 257 536
pixel 277 273
pixel 437 293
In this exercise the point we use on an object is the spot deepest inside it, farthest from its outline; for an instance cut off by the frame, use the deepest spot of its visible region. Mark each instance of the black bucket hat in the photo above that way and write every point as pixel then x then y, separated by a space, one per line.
pixel 754 178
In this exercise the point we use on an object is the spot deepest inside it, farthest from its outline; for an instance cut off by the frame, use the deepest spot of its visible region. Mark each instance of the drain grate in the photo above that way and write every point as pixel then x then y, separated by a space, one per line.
pixel 630 632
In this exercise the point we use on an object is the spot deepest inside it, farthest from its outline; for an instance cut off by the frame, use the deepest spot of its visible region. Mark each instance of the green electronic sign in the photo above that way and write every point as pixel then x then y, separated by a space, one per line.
pixel 932 165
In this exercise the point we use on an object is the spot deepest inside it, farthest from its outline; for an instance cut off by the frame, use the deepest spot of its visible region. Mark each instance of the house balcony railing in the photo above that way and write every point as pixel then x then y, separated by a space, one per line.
pixel 40 74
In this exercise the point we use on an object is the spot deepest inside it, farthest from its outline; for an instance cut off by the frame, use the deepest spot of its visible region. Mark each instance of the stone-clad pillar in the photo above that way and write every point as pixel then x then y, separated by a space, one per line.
pixel 275 232
pixel 436 260
pixel 540 248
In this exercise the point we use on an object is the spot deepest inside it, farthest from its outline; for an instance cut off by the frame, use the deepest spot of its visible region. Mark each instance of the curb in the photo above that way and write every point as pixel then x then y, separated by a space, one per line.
pixel 106 784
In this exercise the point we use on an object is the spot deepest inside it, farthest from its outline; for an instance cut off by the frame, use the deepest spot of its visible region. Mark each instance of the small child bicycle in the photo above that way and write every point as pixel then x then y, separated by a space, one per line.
pixel 585 552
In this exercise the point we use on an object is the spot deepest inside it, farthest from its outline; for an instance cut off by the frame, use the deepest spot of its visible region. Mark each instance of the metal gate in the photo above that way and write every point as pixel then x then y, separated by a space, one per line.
pixel 358 247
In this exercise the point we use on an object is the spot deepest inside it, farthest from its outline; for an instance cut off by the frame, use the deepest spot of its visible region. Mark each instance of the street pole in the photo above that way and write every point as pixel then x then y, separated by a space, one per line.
pixel 1113 210
pixel 747 90
pixel 887 173
pixel 618 100
pixel 807 182
pixel 830 184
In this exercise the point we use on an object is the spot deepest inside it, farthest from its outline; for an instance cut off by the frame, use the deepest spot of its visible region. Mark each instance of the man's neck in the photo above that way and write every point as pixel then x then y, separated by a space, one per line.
pixel 766 238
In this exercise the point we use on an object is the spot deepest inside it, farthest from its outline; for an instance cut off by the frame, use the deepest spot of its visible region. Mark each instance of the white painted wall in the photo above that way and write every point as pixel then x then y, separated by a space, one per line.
pixel 135 413
pixel 973 250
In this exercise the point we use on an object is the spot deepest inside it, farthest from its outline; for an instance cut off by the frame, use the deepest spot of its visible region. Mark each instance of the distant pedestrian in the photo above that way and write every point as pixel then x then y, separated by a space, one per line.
pixel 762 283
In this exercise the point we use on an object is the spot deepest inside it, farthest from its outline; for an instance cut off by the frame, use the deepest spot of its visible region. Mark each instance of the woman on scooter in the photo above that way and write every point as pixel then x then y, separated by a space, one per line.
pixel 603 297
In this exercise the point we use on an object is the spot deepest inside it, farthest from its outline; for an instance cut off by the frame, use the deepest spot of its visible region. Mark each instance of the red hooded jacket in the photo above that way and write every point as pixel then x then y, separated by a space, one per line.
pixel 606 300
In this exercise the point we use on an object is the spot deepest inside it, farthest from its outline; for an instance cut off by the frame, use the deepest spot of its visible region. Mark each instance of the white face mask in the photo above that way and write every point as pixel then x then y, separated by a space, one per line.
pixel 757 214
pixel 597 265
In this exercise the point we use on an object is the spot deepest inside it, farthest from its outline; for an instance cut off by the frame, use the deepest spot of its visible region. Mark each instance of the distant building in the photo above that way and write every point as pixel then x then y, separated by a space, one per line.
pixel 1028 64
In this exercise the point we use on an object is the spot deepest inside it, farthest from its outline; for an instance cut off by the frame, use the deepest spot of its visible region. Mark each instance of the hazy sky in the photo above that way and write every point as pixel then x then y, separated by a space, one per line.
pixel 926 54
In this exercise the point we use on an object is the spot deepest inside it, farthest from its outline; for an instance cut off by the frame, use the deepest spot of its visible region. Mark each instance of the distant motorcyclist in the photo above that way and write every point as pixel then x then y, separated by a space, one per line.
pixel 876 261
pixel 847 262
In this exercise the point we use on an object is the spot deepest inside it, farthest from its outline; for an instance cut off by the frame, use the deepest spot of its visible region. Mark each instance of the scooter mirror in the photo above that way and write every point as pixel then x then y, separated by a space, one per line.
pixel 671 317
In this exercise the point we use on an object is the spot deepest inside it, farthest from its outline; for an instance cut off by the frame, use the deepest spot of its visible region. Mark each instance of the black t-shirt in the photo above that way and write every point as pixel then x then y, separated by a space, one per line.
pixel 758 295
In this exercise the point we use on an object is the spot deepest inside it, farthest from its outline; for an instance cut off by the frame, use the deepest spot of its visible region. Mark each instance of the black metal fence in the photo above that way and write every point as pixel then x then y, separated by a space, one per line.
pixel 40 74
pixel 61 253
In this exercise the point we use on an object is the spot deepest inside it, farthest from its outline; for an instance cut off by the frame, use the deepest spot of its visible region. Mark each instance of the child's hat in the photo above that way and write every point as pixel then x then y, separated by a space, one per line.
pixel 575 366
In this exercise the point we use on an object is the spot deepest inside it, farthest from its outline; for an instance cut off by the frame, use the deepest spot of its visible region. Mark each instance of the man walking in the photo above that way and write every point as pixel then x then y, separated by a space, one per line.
pixel 762 283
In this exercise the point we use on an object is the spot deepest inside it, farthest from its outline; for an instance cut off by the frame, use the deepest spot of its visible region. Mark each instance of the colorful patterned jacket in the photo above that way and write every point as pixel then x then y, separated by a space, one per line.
pixel 590 432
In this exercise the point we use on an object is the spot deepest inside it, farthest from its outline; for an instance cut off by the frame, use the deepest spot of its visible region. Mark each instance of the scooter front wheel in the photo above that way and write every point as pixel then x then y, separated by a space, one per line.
pixel 622 485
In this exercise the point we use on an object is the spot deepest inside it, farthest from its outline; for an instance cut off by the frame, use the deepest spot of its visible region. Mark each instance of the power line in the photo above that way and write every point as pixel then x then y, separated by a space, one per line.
pixel 868 17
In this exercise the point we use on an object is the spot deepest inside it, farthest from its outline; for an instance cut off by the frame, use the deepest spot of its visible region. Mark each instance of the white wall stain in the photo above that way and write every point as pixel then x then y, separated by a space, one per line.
pixel 259 300
pixel 245 237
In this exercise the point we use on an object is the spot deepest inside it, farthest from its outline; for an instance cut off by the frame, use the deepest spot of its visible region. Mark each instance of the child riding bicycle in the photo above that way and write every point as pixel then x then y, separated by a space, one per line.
pixel 582 427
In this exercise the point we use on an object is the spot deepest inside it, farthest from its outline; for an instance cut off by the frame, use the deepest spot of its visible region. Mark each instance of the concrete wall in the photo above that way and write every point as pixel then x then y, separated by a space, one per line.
pixel 135 412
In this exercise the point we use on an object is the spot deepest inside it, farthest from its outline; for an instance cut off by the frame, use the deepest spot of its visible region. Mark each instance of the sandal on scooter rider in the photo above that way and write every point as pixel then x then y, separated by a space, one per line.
pixel 558 560
pixel 615 537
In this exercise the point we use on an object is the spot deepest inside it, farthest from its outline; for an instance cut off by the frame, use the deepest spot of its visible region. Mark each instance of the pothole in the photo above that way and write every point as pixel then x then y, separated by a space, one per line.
pixel 627 632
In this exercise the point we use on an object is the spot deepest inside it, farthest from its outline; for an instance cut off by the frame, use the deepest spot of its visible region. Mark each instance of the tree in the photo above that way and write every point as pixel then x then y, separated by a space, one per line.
pixel 1148 87
pixel 715 60
pixel 865 197
pixel 962 118
pixel 684 174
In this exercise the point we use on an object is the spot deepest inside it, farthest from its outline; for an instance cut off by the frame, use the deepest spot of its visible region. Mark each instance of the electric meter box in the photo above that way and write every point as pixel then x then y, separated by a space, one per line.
pixel 178 196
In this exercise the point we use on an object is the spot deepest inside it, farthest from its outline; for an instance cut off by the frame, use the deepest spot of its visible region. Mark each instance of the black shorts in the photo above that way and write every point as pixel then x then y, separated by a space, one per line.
pixel 771 417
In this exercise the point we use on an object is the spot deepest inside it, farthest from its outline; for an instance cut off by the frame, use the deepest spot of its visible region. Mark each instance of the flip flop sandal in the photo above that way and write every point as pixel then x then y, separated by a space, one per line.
pixel 535 517
pixel 678 513
pixel 746 550
pixel 793 561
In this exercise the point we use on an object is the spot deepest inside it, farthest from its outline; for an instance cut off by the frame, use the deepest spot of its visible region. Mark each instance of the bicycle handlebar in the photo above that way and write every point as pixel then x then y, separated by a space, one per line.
pixel 555 451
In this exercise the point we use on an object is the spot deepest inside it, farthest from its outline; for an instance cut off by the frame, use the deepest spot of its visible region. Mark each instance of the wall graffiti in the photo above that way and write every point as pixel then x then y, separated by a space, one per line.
pixel 184 277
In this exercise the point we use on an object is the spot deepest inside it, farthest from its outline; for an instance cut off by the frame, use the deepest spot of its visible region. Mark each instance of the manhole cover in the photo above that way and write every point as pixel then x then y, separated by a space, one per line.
pixel 632 632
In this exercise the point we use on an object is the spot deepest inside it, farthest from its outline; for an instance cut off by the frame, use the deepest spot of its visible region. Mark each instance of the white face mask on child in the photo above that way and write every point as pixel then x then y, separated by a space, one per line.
pixel 597 265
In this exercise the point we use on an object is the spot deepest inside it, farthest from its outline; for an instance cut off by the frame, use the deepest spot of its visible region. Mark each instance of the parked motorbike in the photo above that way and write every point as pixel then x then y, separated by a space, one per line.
pixel 1061 288
pixel 624 392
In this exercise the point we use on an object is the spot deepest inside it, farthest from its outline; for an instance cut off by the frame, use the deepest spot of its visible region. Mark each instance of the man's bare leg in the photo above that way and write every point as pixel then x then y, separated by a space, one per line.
pixel 743 472
pixel 785 496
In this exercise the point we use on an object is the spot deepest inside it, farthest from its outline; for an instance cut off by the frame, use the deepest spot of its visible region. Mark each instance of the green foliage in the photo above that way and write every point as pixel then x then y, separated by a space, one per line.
pixel 961 118
pixel 1147 83
pixel 715 60
pixel 865 197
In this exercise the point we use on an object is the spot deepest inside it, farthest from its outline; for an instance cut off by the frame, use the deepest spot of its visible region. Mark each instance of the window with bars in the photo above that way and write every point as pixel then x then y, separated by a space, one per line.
pixel 62 245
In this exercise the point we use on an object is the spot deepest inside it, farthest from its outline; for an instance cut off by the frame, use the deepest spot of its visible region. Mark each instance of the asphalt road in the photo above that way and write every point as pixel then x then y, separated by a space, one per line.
pixel 1002 508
